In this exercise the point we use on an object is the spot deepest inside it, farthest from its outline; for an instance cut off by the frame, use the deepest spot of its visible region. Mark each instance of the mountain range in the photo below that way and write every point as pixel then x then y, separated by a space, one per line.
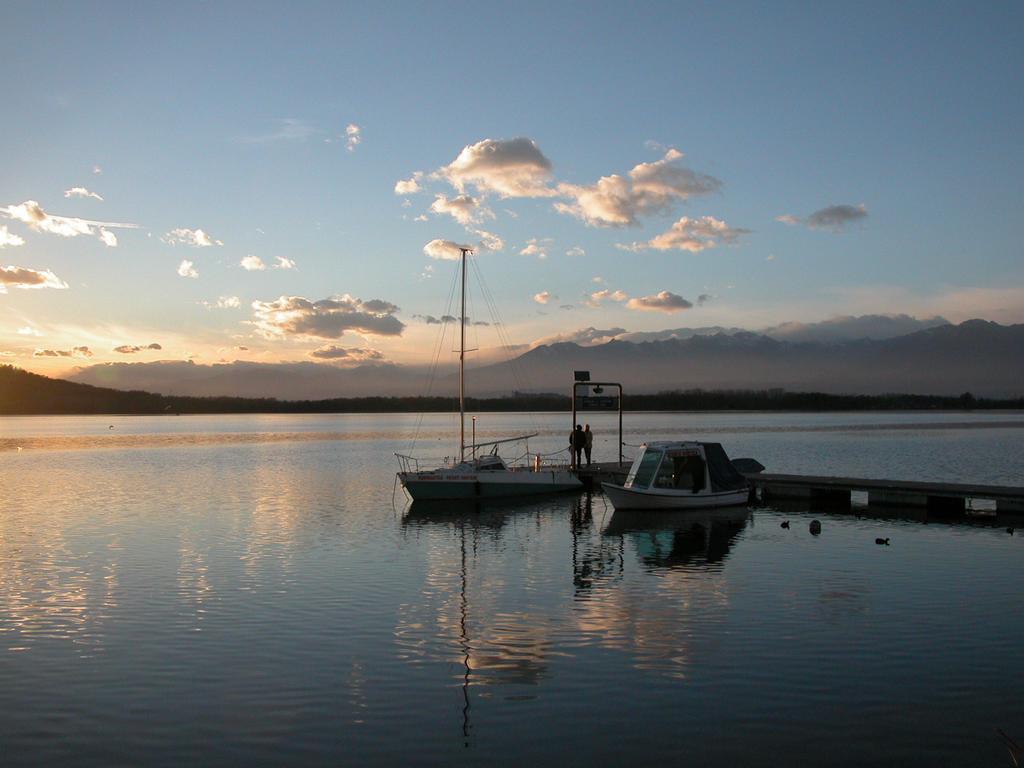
pixel 978 356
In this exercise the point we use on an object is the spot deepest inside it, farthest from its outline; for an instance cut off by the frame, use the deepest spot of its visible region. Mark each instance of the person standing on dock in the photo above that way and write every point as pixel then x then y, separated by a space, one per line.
pixel 588 442
pixel 576 442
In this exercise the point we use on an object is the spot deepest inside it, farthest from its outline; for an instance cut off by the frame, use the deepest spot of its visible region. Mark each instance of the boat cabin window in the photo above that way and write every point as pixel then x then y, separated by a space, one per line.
pixel 490 463
pixel 682 471
pixel 643 470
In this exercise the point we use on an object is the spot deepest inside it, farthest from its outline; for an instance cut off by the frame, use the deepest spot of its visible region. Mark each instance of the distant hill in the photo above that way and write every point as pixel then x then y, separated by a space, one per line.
pixel 976 356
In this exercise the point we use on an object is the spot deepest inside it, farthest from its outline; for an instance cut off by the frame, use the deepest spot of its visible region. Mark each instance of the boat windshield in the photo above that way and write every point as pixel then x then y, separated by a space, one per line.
pixel 643 469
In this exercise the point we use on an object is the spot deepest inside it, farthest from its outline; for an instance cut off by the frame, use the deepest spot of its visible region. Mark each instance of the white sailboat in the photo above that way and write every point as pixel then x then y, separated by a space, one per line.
pixel 486 476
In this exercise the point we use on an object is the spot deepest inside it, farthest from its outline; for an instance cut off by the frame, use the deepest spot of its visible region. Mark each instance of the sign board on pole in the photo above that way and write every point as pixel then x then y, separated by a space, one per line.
pixel 597 403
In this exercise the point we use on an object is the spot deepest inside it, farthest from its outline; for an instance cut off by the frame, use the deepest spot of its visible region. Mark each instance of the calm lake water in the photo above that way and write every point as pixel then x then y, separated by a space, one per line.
pixel 252 590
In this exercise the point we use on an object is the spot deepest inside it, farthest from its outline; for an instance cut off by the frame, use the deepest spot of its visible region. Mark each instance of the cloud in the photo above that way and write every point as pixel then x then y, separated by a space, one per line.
pixel 617 201
pixel 444 249
pixel 326 319
pixel 195 238
pixel 352 355
pixel 594 300
pixel 284 263
pixel 25 278
pixel 228 302
pixel 834 218
pixel 7 239
pixel 506 167
pixel 97 170
pixel 354 137
pixel 288 129
pixel 81 192
pixel 465 209
pixel 703 299
pixel 535 247
pixel 431 320
pixel 131 349
pixel 585 337
pixel 543 297
pixel 850 328
pixel 575 251
pixel 252 263
pixel 692 235
pixel 28 330
pixel 32 214
pixel 409 186
pixel 665 301
pixel 421 217
pixel 489 241
pixel 108 238
pixel 73 352
pixel 187 269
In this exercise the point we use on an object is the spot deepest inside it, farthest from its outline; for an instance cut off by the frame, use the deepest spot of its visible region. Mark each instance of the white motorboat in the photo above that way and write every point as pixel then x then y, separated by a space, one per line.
pixel 477 476
pixel 679 475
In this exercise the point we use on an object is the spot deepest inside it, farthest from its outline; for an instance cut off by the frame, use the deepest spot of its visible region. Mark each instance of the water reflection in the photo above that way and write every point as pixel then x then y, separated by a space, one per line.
pixel 693 540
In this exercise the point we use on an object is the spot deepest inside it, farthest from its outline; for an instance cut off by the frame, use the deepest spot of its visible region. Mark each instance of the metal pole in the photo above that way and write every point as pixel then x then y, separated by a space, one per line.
pixel 462 364
pixel 572 430
pixel 474 437
pixel 620 425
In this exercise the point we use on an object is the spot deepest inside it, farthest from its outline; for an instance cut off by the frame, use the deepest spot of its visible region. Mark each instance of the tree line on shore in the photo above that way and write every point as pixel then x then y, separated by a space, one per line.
pixel 25 393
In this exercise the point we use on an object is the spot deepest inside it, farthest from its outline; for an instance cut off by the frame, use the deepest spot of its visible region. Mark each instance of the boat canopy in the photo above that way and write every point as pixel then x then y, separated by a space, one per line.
pixel 689 465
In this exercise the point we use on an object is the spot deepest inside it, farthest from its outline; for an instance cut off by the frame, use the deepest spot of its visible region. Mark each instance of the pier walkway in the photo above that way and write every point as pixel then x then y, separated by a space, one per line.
pixel 935 496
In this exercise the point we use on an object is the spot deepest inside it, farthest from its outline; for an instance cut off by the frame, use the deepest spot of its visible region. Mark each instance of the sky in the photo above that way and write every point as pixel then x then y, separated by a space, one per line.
pixel 246 181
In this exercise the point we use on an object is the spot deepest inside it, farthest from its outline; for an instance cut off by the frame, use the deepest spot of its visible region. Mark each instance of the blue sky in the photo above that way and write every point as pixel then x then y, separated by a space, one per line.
pixel 899 123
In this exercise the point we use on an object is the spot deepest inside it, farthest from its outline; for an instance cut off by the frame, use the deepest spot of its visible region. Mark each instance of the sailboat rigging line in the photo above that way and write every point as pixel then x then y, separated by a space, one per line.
pixel 432 374
pixel 503 337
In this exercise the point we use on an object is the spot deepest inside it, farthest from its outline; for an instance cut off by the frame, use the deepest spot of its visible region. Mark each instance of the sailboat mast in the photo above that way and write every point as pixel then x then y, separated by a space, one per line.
pixel 462 363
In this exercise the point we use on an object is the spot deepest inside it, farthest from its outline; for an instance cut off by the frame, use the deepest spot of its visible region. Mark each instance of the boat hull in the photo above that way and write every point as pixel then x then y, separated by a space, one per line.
pixel 628 498
pixel 486 485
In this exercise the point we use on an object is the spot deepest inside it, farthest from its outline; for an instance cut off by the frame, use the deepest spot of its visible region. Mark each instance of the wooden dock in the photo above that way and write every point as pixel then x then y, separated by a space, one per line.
pixel 602 472
pixel 934 496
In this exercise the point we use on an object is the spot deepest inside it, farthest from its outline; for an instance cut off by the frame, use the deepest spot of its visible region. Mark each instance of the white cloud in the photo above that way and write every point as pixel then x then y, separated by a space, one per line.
pixel 465 209
pixel 7 239
pixel 228 302
pixel 252 263
pixel 31 213
pixel 284 263
pixel 585 337
pixel 187 269
pixel 409 186
pixel 444 250
pixel 195 238
pixel 108 238
pixel 788 219
pixel 28 330
pixel 543 297
pixel 81 192
pixel 665 301
pixel 575 251
pixel 507 167
pixel 489 241
pixel 97 170
pixel 26 279
pixel 349 355
pixel 422 217
pixel 535 247
pixel 354 137
pixel 692 235
pixel 327 319
pixel 594 299
pixel 617 201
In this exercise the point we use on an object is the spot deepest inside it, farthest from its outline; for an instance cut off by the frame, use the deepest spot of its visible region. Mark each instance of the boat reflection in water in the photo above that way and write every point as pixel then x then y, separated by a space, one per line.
pixel 682 539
